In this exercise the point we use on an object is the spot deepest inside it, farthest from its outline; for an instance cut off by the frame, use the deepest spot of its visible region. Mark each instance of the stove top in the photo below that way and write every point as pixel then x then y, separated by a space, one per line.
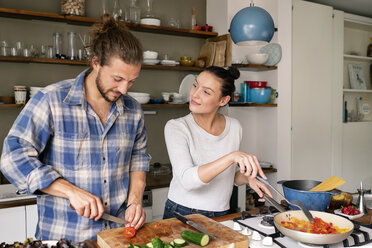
pixel 262 233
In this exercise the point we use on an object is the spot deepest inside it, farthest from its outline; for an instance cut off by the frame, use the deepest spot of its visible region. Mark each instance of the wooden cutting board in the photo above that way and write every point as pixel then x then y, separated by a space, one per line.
pixel 169 229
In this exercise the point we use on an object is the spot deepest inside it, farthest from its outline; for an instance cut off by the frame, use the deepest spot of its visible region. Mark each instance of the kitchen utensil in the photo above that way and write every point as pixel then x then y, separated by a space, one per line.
pixel 193 224
pixel 256 84
pixel 185 62
pixel 140 97
pixel 114 219
pixel 134 12
pixel 310 238
pixel 361 201
pixel 72 51
pixel 150 55
pixel 299 190
pixel 170 229
pixel 257 58
pixel 329 184
pixel 150 21
pixel 150 61
pixel 186 85
pixel 274 51
pixel 295 203
pixel 350 217
pixel 274 203
pixel 259 95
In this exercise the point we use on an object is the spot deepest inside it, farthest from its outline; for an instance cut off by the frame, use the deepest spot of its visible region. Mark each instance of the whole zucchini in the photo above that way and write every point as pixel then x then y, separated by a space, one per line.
pixel 196 238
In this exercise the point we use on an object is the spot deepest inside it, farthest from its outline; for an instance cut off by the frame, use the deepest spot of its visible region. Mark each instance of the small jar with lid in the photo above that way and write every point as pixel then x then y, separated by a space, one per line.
pixel 73 7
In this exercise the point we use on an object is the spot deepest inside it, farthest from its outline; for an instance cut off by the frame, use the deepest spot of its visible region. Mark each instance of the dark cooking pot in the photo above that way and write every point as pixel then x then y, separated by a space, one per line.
pixel 299 190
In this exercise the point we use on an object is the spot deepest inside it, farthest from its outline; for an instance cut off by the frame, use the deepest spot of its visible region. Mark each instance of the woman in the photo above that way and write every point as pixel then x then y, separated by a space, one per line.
pixel 203 148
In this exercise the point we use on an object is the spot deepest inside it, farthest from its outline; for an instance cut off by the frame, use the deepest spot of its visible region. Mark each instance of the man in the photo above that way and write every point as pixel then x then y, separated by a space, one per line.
pixel 80 145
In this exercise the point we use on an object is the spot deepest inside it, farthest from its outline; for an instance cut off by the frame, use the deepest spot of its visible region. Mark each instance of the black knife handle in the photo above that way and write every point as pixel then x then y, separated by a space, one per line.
pixel 180 217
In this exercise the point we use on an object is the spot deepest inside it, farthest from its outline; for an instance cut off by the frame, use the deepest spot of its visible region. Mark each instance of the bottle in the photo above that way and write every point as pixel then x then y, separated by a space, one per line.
pixel 72 51
pixel 369 49
pixel 57 45
pixel 193 18
pixel 149 9
pixel 117 12
pixel 134 12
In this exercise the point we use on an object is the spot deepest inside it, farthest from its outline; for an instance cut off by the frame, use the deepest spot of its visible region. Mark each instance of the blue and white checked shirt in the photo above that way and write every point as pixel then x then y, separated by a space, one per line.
pixel 58 135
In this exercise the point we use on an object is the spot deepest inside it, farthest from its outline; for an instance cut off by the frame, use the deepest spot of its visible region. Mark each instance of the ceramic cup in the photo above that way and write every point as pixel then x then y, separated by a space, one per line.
pixel 20 93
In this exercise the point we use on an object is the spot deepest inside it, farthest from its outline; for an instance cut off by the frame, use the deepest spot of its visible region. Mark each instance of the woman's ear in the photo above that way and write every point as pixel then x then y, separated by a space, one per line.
pixel 224 100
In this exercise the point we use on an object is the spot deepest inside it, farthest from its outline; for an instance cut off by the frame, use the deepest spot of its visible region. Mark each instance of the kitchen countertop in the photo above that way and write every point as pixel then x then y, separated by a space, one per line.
pixel 367 219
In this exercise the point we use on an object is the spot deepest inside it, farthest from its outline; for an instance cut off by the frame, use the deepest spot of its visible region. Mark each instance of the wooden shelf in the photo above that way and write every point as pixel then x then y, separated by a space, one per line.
pixel 11 106
pixel 88 21
pixel 167 105
pixel 245 104
pixel 86 63
pixel 43 60
pixel 252 67
pixel 172 68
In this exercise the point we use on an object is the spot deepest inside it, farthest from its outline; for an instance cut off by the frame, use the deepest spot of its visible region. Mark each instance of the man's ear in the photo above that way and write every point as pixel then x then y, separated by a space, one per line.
pixel 95 63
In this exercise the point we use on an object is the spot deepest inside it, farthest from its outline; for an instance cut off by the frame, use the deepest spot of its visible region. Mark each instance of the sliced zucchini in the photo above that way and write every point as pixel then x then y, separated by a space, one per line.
pixel 149 245
pixel 179 242
pixel 157 243
pixel 172 243
pixel 167 245
pixel 196 238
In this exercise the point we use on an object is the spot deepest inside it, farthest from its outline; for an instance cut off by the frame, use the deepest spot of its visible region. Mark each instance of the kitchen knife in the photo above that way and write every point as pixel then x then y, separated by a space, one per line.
pixel 114 219
pixel 193 224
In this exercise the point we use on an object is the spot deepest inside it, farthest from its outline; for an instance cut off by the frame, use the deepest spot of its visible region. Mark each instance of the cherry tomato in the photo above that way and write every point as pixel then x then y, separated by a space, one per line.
pixel 129 232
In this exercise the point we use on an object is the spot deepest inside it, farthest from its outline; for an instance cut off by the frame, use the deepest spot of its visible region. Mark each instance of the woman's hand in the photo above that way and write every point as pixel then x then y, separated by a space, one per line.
pixel 249 165
pixel 259 187
pixel 135 215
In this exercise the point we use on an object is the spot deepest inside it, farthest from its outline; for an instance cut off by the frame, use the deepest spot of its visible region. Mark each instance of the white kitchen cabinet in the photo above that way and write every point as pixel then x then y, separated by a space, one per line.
pixel 31 220
pixel 312 75
pixel 13 224
pixel 159 197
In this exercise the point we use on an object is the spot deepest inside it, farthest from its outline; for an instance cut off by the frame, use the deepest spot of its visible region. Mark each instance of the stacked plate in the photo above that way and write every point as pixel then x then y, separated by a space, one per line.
pixel 169 62
pixel 151 61
pixel 34 90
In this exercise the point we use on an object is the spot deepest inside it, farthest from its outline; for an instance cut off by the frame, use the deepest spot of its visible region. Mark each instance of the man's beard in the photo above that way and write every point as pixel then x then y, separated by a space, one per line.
pixel 101 90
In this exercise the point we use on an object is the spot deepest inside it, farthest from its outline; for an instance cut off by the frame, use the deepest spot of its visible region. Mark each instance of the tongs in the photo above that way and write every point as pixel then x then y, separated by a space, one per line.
pixel 295 203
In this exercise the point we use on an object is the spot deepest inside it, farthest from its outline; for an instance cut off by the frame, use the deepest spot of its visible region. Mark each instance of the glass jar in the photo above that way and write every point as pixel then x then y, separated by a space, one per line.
pixel 72 51
pixel 73 7
pixel 57 45
pixel 134 12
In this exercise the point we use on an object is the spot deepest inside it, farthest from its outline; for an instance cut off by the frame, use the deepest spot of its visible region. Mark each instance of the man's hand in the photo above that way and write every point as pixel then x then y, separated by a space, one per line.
pixel 135 215
pixel 84 203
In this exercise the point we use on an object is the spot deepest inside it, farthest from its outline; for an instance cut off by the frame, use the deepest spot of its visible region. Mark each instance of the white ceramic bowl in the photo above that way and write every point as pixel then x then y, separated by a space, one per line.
pixel 150 55
pixel 140 97
pixel 150 21
pixel 257 58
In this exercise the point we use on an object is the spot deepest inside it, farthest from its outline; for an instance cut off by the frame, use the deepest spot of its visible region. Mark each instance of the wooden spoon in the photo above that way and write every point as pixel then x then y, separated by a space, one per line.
pixel 329 184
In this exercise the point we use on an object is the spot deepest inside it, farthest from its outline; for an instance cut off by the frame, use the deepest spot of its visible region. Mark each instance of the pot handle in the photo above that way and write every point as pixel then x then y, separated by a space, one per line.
pixel 281 181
